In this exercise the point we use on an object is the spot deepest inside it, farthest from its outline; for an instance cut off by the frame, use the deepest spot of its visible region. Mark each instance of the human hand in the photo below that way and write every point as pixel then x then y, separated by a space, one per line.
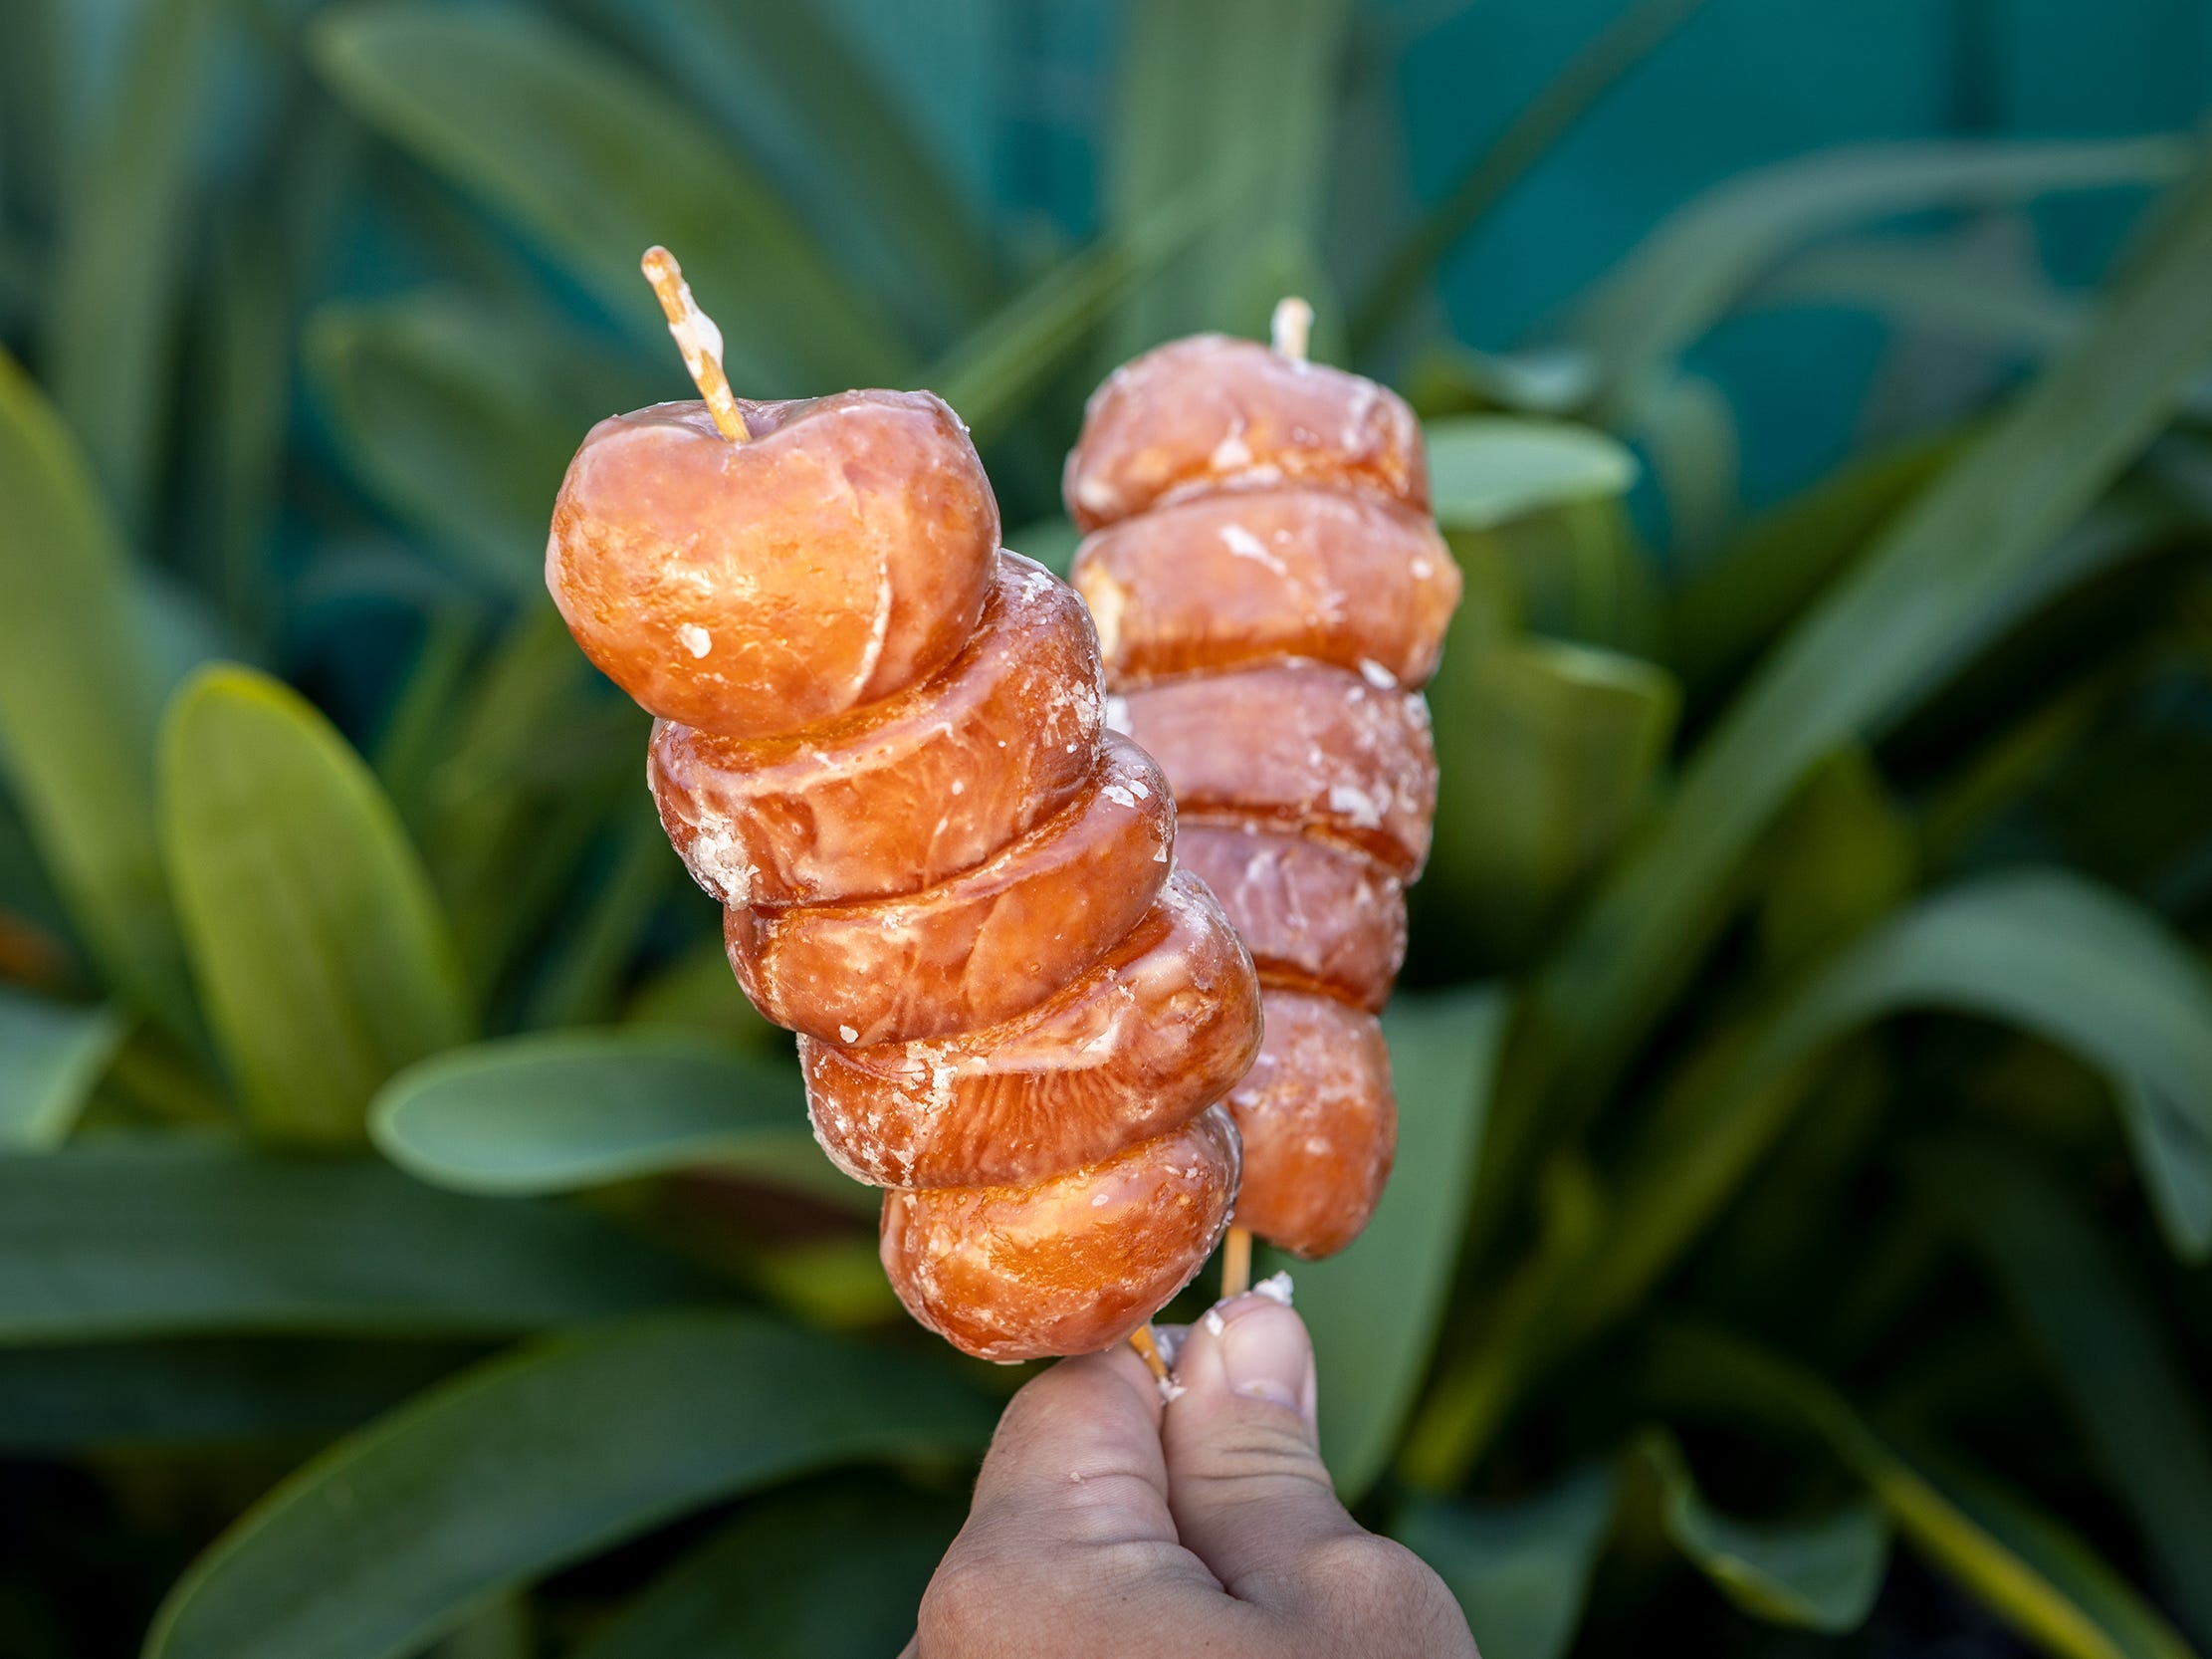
pixel 1107 1522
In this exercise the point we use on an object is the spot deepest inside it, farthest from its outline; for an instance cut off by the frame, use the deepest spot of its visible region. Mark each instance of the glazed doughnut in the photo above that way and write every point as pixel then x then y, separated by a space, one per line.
pixel 1270 594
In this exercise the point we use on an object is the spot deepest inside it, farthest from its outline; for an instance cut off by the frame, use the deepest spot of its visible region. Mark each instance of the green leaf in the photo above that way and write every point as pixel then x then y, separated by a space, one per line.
pixel 1699 261
pixel 553 1112
pixel 78 707
pixel 2023 1567
pixel 1375 1309
pixel 809 105
pixel 149 1239
pixel 1932 288
pixel 1521 1572
pixel 1548 754
pixel 51 1055
pixel 2102 1343
pixel 1844 855
pixel 200 1390
pixel 597 164
pixel 118 277
pixel 1735 603
pixel 1925 581
pixel 2044 950
pixel 313 930
pixel 462 419
pixel 1485 470
pixel 834 1574
pixel 1221 77
pixel 539 1459
pixel 1822 1573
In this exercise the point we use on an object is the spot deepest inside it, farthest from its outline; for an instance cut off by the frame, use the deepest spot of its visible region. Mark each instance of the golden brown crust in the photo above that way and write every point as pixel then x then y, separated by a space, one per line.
pixel 977 949
pixel 1302 744
pixel 1236 580
pixel 1068 1265
pixel 840 555
pixel 1319 1124
pixel 910 789
pixel 1153 1035
pixel 1215 413
pixel 1315 916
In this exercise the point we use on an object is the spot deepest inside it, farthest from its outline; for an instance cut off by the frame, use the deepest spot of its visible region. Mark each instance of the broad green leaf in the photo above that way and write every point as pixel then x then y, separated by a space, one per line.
pixel 2103 1348
pixel 1521 1572
pixel 160 1239
pixel 506 1629
pixel 208 1389
pixel 1375 1309
pixel 553 1112
pixel 1699 261
pixel 539 1459
pixel 597 164
pixel 1822 1573
pixel 462 419
pixel 78 707
pixel 1925 582
pixel 1220 78
pixel 2042 949
pixel 1636 30
pixel 697 994
pixel 1735 603
pixel 812 107
pixel 119 276
pixel 313 930
pixel 1486 469
pixel 1930 286
pixel 51 1055
pixel 2022 1565
pixel 1548 754
pixel 1842 854
pixel 833 1574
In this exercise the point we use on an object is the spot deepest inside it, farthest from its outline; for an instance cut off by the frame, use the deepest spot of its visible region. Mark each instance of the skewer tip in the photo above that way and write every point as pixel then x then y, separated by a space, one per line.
pixel 697 339
pixel 1290 327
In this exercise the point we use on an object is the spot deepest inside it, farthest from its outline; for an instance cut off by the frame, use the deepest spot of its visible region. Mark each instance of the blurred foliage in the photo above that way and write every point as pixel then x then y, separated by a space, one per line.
pixel 409 1242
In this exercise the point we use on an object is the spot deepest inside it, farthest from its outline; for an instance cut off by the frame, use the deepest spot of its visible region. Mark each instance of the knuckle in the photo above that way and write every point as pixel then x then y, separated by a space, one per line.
pixel 1257 1450
pixel 1376 1584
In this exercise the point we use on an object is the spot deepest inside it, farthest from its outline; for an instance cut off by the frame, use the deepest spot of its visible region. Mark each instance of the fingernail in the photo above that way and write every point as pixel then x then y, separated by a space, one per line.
pixel 1265 1353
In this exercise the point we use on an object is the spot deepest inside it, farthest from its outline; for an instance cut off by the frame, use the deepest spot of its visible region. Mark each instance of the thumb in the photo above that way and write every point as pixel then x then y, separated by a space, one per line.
pixel 1245 1482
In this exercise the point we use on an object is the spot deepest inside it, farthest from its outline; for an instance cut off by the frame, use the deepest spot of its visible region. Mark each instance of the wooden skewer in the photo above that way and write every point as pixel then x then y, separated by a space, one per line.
pixel 1149 1351
pixel 1292 322
pixel 698 338
pixel 1237 1263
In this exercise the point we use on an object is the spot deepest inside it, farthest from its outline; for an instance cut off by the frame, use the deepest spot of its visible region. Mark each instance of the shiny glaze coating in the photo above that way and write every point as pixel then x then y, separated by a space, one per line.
pixel 881 745
pixel 1215 413
pixel 1312 745
pixel 1270 595
pixel 981 947
pixel 1319 1124
pixel 1153 1035
pixel 838 556
pixel 906 792
pixel 1069 1263
pixel 1260 575
pixel 1313 915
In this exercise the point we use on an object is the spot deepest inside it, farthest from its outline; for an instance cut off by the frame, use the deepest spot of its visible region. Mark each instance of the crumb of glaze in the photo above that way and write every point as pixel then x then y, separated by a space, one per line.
pixel 1170 1390
pixel 1275 1288
pixel 848 1034
pixel 1214 1322
pixel 696 639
